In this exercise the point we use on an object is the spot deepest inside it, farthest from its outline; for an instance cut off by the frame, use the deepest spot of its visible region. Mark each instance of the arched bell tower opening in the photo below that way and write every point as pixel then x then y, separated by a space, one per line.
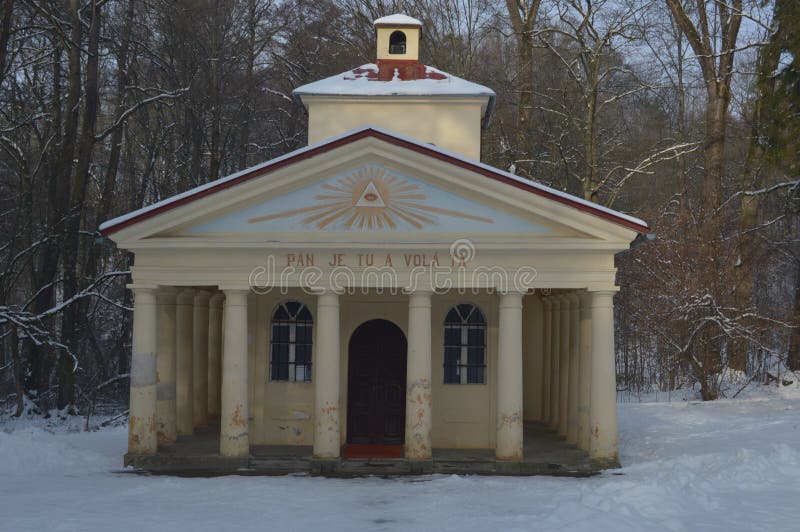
pixel 397 42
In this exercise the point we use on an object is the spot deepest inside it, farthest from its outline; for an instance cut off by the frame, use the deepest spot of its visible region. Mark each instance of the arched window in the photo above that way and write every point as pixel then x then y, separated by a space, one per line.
pixel 397 42
pixel 290 342
pixel 465 345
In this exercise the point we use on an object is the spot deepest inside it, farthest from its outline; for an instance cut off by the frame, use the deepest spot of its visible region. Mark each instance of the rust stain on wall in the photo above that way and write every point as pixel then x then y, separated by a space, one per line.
pixel 237 420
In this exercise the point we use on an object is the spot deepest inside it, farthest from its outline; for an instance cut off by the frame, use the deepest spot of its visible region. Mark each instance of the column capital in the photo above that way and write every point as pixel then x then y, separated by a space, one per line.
pixel 555 302
pixel 328 299
pixel 586 305
pixel 217 299
pixel 574 298
pixel 143 288
pixel 167 295
pixel 144 295
pixel 420 298
pixel 602 298
pixel 236 297
pixel 201 297
pixel 186 296
pixel 511 299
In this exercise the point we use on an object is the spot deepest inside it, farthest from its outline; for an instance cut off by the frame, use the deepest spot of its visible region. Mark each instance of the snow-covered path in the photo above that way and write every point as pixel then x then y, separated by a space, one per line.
pixel 727 465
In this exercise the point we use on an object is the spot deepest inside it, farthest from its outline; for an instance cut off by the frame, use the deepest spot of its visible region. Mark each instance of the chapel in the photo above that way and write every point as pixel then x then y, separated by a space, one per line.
pixel 378 301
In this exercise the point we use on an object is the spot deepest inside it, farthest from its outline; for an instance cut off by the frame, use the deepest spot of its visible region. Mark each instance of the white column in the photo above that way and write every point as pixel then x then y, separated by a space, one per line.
pixel 327 430
pixel 214 354
pixel 234 437
pixel 547 324
pixel 563 367
pixel 509 378
pixel 200 360
pixel 585 378
pixel 603 410
pixel 574 368
pixel 184 354
pixel 555 356
pixel 418 378
pixel 166 415
pixel 142 437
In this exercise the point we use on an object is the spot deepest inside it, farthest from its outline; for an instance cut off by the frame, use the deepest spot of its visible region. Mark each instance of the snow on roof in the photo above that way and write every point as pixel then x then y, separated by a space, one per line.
pixel 397 19
pixel 362 81
pixel 133 217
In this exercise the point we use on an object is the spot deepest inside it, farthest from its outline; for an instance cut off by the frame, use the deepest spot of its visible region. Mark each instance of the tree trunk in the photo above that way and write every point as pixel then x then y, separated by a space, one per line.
pixel 18 380
pixel 5 35
pixel 523 18
pixel 247 106
pixel 71 331
pixel 748 248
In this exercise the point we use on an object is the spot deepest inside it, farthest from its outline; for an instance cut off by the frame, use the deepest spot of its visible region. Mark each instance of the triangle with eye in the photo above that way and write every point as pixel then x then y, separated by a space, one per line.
pixel 370 197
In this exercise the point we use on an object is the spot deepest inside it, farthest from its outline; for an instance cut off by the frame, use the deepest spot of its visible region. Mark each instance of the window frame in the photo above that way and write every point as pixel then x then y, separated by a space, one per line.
pixel 462 365
pixel 293 323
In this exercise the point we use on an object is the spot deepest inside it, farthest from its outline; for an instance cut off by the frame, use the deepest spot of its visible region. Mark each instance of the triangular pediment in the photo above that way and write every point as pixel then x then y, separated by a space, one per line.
pixel 378 188
pixel 368 198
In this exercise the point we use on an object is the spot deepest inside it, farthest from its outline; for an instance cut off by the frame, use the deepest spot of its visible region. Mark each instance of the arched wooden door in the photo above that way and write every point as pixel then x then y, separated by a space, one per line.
pixel 376 384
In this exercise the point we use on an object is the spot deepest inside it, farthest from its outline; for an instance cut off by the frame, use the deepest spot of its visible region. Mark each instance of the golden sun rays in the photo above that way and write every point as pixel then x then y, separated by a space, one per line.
pixel 370 198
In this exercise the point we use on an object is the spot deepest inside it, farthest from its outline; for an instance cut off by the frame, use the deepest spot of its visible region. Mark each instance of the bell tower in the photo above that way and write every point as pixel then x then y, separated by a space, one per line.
pixel 398 48
pixel 398 38
pixel 399 94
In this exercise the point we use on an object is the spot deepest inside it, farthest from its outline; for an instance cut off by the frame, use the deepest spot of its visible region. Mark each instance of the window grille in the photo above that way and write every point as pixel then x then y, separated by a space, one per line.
pixel 291 342
pixel 465 345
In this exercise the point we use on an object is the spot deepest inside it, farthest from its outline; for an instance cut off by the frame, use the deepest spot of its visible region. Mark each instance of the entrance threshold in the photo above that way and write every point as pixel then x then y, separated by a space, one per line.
pixel 353 450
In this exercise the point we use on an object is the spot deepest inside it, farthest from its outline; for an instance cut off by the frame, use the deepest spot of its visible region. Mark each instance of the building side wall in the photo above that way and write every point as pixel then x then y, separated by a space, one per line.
pixel 452 125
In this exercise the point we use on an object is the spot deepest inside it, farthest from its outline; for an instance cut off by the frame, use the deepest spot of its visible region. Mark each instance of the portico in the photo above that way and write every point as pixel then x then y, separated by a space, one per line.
pixel 375 301
pixel 263 416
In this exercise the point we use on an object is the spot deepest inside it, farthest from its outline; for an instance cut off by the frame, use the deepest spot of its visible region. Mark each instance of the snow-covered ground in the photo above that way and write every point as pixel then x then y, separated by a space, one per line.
pixel 727 465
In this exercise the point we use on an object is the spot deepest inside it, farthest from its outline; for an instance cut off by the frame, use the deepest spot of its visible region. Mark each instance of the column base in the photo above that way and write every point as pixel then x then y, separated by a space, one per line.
pixel 604 463
pixel 420 467
pixel 508 467
pixel 325 466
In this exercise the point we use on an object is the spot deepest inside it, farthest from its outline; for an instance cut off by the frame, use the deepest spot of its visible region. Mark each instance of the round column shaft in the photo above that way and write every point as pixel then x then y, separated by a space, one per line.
pixel 234 438
pixel 327 430
pixel 603 412
pixel 547 324
pixel 142 438
pixel 555 356
pixel 585 378
pixel 419 420
pixel 200 360
pixel 184 355
pixel 574 369
pixel 509 378
pixel 214 354
pixel 563 367
pixel 166 415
